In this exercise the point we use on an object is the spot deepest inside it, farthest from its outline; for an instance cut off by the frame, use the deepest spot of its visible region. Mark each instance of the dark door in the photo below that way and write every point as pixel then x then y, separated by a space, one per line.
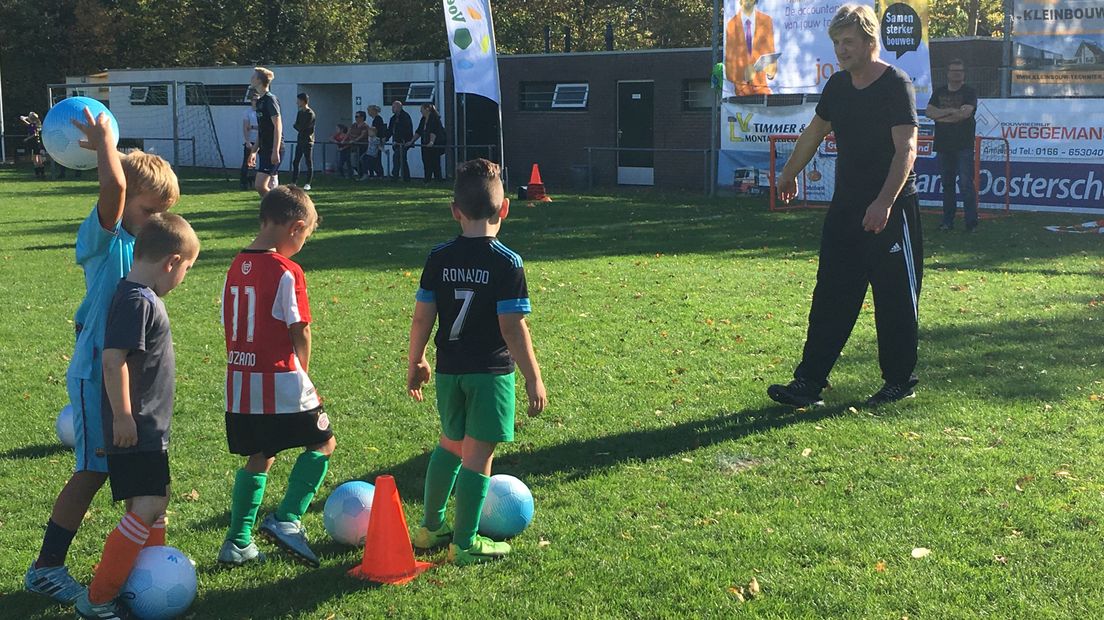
pixel 480 128
pixel 635 129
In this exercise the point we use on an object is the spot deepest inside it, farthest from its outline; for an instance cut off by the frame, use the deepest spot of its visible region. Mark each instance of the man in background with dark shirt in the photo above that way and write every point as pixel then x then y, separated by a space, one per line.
pixel 952 107
pixel 401 130
pixel 270 132
pixel 304 144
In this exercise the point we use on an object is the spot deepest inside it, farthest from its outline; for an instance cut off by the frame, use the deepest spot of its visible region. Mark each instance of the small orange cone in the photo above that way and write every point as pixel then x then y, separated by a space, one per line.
pixel 388 554
pixel 535 190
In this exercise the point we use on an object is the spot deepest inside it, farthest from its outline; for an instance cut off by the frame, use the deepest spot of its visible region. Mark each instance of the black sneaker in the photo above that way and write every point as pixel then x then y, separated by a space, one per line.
pixel 797 393
pixel 892 392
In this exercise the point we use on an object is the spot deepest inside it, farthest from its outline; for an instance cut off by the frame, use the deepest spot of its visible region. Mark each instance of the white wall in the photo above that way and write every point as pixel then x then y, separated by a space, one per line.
pixel 363 81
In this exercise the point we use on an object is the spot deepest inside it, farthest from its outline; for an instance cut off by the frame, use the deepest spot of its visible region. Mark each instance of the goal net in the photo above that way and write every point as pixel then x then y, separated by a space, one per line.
pixel 992 170
pixel 170 119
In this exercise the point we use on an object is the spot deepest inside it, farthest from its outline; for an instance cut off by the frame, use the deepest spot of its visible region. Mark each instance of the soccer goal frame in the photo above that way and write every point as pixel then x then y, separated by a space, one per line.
pixel 128 96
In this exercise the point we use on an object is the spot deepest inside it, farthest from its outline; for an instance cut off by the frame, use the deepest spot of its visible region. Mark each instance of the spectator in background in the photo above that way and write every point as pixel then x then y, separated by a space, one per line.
pixel 304 144
pixel 952 107
pixel 249 141
pixel 344 150
pixel 34 143
pixel 432 133
pixel 358 137
pixel 373 156
pixel 401 132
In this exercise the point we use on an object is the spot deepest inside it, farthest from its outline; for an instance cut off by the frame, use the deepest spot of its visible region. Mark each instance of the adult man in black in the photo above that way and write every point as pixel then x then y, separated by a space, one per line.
pixel 871 234
pixel 952 107
pixel 401 130
pixel 304 144
pixel 270 132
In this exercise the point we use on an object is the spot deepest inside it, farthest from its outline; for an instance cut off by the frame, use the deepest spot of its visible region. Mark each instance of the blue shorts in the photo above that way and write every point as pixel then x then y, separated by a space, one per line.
pixel 86 396
pixel 264 161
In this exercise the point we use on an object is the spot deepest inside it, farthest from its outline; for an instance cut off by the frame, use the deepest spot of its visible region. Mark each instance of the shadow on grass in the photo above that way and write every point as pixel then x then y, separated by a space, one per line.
pixel 579 459
pixel 39 451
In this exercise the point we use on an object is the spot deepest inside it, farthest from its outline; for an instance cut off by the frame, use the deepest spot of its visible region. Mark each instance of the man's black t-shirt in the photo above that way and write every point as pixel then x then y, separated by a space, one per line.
pixel 473 280
pixel 862 121
pixel 960 135
pixel 304 124
pixel 268 110
pixel 137 323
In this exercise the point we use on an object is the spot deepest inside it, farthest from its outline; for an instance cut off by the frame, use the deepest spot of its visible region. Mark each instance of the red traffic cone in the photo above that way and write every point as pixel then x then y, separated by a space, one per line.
pixel 388 554
pixel 536 187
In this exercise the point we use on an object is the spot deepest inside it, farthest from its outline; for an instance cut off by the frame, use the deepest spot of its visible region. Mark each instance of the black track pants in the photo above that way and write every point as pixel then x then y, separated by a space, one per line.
pixel 892 263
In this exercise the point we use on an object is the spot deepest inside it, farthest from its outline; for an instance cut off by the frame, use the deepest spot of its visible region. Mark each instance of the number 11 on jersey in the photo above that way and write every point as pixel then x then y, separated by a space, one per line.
pixel 250 312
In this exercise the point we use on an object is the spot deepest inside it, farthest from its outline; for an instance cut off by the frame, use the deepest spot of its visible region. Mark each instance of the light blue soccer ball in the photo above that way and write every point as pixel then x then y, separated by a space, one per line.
pixel 347 512
pixel 64 427
pixel 62 139
pixel 508 509
pixel 162 584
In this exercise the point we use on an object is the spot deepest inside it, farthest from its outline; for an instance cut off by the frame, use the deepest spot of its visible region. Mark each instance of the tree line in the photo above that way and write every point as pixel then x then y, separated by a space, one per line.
pixel 43 41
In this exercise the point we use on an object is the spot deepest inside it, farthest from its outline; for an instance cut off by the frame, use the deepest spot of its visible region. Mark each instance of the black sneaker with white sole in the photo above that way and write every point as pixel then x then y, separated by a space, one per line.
pixel 798 393
pixel 892 392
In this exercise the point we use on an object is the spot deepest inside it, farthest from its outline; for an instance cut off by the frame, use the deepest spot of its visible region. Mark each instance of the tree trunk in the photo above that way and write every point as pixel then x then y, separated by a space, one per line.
pixel 972 18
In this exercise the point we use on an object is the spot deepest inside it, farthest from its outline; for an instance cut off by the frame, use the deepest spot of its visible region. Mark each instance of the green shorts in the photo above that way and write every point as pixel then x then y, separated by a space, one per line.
pixel 480 406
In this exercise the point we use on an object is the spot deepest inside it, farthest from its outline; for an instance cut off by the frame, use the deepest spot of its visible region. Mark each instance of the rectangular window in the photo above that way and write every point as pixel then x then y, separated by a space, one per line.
pixel 395 91
pixel 571 96
pixel 155 94
pixel 216 94
pixel 536 95
pixel 697 95
pixel 421 92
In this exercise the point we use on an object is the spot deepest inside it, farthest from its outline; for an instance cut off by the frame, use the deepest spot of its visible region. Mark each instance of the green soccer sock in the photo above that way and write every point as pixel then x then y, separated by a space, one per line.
pixel 471 490
pixel 440 476
pixel 248 492
pixel 306 476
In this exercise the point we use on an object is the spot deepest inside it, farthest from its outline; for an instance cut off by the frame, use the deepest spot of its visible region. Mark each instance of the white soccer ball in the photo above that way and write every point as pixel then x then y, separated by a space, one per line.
pixel 65 429
pixel 162 584
pixel 508 509
pixel 62 139
pixel 347 512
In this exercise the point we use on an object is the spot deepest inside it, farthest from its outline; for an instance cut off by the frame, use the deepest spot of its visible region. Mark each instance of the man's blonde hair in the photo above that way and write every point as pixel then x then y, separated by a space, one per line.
pixel 858 15
pixel 150 174
pixel 163 235
pixel 265 75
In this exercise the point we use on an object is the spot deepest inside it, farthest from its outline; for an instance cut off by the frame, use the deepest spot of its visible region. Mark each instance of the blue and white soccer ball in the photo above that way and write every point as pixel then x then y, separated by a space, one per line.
pixel 162 584
pixel 347 512
pixel 508 509
pixel 64 427
pixel 62 139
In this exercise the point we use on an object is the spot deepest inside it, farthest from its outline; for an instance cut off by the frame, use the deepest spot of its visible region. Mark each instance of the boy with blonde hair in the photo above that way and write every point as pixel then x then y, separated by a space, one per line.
pixel 271 403
pixel 474 288
pixel 139 377
pixel 132 189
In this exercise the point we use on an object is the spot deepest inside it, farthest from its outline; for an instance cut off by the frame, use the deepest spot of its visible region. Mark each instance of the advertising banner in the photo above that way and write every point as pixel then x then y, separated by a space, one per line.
pixel 782 46
pixel 1056 153
pixel 1058 48
pixel 744 162
pixel 472 47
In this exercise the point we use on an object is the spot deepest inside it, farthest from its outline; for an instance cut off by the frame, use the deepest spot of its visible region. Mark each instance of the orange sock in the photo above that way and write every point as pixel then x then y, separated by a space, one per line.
pixel 120 552
pixel 157 533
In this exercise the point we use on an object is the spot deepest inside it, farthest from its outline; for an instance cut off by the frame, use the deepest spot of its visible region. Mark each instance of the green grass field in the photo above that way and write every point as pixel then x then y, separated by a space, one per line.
pixel 663 476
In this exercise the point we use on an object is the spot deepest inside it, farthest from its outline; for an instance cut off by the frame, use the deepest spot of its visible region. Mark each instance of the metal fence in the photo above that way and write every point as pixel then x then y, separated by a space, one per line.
pixel 326 152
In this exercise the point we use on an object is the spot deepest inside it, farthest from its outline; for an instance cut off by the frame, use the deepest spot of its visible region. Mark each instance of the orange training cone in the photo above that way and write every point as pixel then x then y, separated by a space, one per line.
pixel 535 190
pixel 388 554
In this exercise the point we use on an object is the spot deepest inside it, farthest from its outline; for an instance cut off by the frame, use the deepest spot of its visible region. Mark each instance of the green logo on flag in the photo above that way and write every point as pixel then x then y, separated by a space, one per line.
pixel 462 38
